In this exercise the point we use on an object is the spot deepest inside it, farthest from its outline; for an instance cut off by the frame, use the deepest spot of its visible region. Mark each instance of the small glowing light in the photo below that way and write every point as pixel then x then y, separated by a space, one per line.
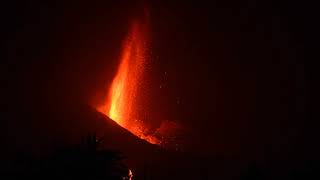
pixel 130 173
pixel 129 176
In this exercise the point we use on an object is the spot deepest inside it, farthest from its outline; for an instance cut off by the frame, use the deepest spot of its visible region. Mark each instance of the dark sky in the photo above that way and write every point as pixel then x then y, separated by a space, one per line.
pixel 236 68
pixel 233 72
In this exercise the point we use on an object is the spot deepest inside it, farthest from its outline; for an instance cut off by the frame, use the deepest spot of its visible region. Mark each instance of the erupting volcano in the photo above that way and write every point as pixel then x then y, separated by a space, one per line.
pixel 121 102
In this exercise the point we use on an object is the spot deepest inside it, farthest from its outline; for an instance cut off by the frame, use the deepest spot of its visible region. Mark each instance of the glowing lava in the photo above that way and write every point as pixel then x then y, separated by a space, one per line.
pixel 122 98
pixel 123 91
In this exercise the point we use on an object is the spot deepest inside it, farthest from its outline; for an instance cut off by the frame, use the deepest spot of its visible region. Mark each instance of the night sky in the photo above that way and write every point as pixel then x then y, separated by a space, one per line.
pixel 231 72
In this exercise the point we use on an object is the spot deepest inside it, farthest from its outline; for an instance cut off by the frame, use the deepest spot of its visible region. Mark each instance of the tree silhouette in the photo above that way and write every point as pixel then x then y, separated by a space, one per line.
pixel 84 161
pixel 253 172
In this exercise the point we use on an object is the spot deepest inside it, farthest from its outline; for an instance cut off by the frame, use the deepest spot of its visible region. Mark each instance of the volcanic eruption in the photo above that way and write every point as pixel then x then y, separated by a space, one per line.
pixel 121 101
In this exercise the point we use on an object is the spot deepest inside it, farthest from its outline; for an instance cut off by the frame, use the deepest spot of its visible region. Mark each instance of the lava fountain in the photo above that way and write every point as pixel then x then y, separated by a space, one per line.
pixel 121 102
pixel 123 90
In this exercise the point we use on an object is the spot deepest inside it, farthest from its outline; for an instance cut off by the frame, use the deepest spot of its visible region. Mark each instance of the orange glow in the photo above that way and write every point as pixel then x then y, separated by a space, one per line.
pixel 122 96
pixel 124 87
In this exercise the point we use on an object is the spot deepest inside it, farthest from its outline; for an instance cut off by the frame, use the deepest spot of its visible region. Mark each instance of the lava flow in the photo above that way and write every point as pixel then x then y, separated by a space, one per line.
pixel 122 96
